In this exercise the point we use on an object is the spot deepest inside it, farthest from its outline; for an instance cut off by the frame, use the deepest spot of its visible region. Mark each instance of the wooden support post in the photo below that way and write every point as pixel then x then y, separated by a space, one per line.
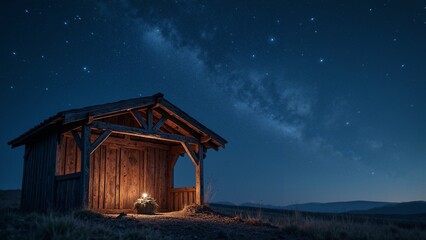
pixel 199 182
pixel 170 175
pixel 85 165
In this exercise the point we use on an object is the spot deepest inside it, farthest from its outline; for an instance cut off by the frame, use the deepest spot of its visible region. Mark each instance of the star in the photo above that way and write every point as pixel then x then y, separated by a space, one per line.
pixel 312 19
pixel 347 123
pixel 26 11
pixel 402 65
pixel 86 69
pixel 271 39
pixel 321 60
pixel 46 89
pixel 372 173
pixel 14 53
pixel 11 87
pixel 65 23
pixel 253 55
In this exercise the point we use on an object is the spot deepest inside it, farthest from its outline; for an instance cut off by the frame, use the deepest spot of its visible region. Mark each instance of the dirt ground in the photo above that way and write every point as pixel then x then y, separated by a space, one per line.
pixel 193 224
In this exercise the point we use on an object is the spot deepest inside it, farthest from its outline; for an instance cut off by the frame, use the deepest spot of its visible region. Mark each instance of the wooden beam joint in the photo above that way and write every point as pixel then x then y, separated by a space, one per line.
pixel 77 139
pixel 160 122
pixel 135 113
pixel 99 140
pixel 194 158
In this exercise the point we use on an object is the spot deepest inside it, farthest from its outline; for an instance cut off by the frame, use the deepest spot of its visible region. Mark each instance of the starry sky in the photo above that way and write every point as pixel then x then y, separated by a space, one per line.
pixel 319 100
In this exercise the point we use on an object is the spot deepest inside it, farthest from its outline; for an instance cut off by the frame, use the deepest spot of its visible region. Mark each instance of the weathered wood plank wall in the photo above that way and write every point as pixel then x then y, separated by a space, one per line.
pixel 120 170
pixel 69 157
pixel 120 174
pixel 67 192
pixel 39 174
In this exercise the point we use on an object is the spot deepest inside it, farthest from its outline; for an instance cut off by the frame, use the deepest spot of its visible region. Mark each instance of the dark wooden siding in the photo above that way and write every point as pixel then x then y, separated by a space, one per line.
pixel 39 174
pixel 68 192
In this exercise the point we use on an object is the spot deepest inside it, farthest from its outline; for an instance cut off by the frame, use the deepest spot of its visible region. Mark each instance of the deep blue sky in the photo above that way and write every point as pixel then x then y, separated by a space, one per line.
pixel 319 100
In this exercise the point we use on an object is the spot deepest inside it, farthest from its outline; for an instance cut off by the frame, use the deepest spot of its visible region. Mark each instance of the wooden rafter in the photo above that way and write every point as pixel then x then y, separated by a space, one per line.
pixel 149 123
pixel 169 129
pixel 115 128
pixel 187 120
pixel 179 123
pixel 205 139
pixel 108 109
pixel 138 117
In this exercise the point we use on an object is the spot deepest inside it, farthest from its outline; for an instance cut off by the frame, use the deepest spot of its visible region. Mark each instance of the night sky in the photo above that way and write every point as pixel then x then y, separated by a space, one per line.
pixel 319 100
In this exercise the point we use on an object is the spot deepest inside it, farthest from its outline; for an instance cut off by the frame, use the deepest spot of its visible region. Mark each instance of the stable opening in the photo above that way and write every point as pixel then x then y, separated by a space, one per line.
pixel 184 172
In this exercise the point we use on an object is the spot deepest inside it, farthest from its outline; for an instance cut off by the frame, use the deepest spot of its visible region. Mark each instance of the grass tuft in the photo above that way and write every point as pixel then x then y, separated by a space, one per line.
pixel 73 225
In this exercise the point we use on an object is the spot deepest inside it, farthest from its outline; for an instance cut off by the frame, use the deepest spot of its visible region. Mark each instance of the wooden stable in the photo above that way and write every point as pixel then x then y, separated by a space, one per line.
pixel 103 157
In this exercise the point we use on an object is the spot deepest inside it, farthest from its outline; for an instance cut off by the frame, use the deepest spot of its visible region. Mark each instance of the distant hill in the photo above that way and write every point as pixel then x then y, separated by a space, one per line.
pixel 357 207
pixel 225 203
pixel 416 207
pixel 334 207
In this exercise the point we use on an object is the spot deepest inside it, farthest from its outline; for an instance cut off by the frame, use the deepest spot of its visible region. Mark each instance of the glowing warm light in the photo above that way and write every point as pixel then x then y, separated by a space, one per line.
pixel 144 195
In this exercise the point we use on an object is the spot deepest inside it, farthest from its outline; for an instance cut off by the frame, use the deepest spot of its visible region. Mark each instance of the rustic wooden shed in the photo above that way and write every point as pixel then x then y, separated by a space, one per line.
pixel 103 157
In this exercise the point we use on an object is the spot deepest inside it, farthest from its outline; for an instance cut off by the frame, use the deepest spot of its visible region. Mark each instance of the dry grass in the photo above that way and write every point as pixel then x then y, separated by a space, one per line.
pixel 331 226
pixel 200 222
pixel 312 228
pixel 73 225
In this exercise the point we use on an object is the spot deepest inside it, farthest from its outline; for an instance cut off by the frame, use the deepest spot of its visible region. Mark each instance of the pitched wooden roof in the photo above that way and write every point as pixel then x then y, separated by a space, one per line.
pixel 175 120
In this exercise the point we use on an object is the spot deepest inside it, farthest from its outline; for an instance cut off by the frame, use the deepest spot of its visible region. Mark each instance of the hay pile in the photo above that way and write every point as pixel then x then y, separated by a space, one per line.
pixel 198 209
